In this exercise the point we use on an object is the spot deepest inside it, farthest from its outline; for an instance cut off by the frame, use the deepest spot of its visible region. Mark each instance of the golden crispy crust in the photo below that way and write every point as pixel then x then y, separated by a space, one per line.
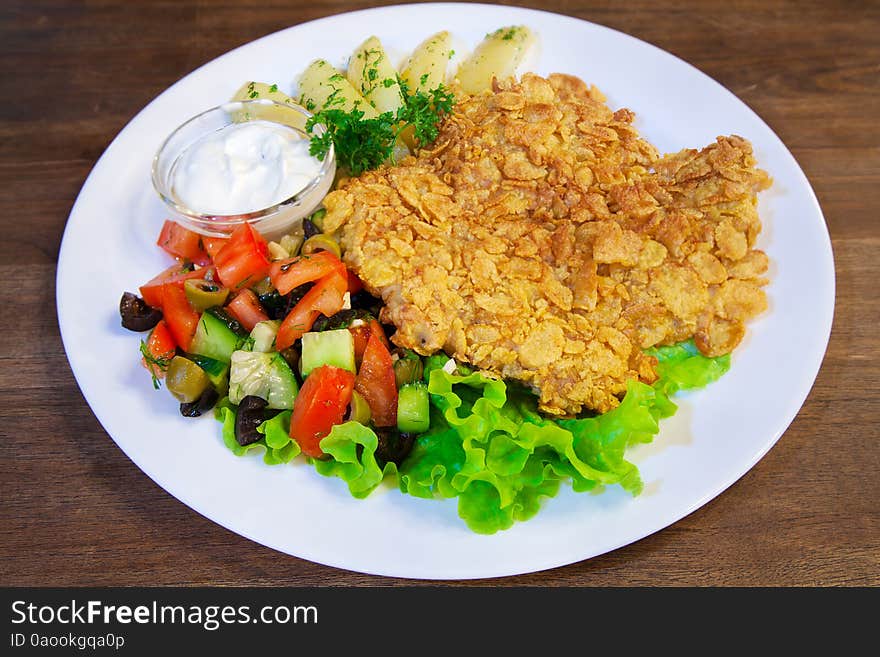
pixel 542 239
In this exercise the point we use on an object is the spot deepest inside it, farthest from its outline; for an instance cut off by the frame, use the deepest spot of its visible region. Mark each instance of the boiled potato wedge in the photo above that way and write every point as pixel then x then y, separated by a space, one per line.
pixel 371 73
pixel 497 56
pixel 262 90
pixel 425 69
pixel 322 86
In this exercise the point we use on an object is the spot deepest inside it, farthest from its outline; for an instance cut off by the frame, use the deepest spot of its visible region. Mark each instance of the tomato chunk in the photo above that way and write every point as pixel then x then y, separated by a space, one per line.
pixel 325 298
pixel 182 243
pixel 375 382
pixel 158 350
pixel 292 272
pixel 213 245
pixel 243 259
pixel 179 315
pixel 354 283
pixel 247 309
pixel 362 335
pixel 320 404
pixel 151 292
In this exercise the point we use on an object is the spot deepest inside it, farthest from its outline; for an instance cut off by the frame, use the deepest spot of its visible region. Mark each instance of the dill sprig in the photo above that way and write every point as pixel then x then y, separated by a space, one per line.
pixel 160 362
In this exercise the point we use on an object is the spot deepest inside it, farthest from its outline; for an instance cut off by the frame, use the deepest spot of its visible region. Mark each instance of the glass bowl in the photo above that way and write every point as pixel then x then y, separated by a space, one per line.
pixel 273 221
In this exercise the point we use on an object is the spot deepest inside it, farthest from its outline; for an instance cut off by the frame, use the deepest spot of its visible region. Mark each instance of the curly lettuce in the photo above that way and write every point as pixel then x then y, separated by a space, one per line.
pixel 490 448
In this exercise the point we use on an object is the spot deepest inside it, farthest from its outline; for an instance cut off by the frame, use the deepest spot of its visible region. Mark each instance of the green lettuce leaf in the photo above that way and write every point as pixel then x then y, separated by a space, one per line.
pixel 351 456
pixel 510 456
pixel 489 447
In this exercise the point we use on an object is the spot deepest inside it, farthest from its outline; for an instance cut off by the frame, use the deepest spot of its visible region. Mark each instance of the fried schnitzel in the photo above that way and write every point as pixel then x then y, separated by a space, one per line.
pixel 541 239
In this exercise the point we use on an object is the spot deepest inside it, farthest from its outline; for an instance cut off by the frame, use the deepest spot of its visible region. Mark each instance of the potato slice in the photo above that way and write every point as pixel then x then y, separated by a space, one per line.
pixel 497 56
pixel 371 73
pixel 425 69
pixel 322 86
pixel 262 90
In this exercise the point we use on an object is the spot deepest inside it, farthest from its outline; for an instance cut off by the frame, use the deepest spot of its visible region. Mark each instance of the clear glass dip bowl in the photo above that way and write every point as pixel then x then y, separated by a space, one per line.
pixel 273 221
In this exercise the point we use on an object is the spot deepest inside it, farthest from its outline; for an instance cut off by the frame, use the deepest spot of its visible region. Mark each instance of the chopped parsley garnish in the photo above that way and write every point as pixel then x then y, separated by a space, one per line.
pixel 273 88
pixel 363 144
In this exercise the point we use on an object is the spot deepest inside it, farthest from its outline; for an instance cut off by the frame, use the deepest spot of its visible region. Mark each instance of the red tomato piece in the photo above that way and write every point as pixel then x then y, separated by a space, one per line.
pixel 292 272
pixel 179 315
pixel 243 259
pixel 182 243
pixel 213 244
pixel 362 334
pixel 151 292
pixel 247 309
pixel 354 283
pixel 375 382
pixel 160 349
pixel 325 298
pixel 320 404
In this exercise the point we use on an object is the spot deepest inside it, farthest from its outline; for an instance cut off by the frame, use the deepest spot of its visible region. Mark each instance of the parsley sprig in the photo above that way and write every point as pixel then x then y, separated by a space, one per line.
pixel 363 144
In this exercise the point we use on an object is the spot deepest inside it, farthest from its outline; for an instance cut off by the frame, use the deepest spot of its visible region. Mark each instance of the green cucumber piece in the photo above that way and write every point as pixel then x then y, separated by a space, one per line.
pixel 264 334
pixel 217 371
pixel 327 348
pixel 214 338
pixel 413 409
pixel 262 374
pixel 283 387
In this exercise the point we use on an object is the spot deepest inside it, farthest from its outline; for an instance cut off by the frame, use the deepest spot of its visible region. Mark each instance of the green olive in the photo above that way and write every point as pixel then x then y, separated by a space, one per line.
pixel 408 369
pixel 263 286
pixel 317 218
pixel 185 380
pixel 359 409
pixel 321 242
pixel 204 294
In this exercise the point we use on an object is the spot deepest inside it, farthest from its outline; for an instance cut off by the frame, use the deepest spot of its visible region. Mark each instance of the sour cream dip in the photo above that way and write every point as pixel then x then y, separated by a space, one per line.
pixel 242 168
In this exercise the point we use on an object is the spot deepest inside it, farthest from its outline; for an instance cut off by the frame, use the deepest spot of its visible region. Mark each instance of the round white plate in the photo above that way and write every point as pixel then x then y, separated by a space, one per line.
pixel 717 435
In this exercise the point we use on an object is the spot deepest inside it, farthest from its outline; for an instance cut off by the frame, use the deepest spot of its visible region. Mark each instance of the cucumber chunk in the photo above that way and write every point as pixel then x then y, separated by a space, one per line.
pixel 262 374
pixel 413 409
pixel 327 348
pixel 217 371
pixel 214 338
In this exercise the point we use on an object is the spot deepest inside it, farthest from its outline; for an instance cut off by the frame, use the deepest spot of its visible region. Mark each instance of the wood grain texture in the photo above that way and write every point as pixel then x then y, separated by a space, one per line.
pixel 75 511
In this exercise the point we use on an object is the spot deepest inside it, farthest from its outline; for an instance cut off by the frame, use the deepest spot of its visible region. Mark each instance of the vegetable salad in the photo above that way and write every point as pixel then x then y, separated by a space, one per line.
pixel 282 344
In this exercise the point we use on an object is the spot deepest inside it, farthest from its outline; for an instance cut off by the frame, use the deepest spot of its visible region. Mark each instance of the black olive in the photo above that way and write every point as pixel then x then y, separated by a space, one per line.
pixel 201 405
pixel 296 295
pixel 136 314
pixel 366 301
pixel 275 304
pixel 291 355
pixel 310 229
pixel 393 446
pixel 342 319
pixel 248 418
pixel 252 412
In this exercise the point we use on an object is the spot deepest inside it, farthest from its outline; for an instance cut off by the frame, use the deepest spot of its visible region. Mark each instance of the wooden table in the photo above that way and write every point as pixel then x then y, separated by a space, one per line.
pixel 76 511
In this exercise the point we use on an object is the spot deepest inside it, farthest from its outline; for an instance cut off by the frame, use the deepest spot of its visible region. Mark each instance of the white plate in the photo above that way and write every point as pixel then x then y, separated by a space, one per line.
pixel 717 435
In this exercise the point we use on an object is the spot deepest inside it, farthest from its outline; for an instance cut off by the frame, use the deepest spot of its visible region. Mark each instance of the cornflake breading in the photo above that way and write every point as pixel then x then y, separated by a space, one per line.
pixel 540 238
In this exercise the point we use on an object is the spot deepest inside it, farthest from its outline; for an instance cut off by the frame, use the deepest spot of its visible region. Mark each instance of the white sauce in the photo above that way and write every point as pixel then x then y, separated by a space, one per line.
pixel 242 168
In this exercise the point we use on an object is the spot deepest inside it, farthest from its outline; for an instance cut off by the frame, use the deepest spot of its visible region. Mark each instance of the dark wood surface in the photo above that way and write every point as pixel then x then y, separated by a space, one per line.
pixel 75 511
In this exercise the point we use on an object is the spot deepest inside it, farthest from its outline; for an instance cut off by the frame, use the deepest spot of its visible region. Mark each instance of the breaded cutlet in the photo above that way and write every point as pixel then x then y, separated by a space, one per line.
pixel 542 239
